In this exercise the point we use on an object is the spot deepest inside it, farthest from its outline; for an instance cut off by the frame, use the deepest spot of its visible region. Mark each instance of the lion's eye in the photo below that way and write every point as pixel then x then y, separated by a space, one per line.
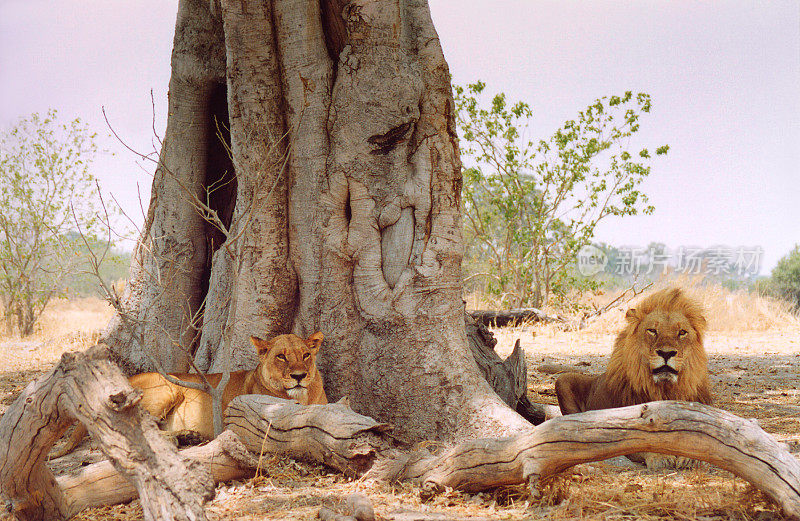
pixel 282 358
pixel 682 333
pixel 652 331
pixel 306 356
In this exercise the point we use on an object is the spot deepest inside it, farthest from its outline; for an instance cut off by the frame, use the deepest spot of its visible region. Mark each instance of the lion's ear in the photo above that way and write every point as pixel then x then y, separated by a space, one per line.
pixel 262 346
pixel 315 341
pixel 633 315
pixel 700 324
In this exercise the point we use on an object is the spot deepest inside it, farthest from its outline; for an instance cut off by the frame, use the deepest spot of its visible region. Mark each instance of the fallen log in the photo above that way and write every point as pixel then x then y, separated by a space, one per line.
pixel 100 484
pixel 331 434
pixel 357 445
pixel 678 428
pixel 502 318
pixel 88 388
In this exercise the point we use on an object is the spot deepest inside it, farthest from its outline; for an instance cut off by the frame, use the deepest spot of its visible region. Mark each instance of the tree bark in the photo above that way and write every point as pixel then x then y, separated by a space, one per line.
pixel 90 389
pixel 508 378
pixel 347 210
pixel 166 282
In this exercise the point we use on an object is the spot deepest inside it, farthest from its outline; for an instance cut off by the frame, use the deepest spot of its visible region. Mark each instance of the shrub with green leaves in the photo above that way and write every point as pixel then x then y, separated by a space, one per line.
pixel 785 277
pixel 531 205
pixel 45 189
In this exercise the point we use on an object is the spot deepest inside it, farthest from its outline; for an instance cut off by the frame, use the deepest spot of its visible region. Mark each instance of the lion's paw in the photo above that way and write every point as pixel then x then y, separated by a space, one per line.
pixel 663 461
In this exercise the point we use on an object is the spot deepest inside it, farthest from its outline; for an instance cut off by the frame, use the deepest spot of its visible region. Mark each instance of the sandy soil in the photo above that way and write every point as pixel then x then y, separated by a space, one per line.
pixel 753 374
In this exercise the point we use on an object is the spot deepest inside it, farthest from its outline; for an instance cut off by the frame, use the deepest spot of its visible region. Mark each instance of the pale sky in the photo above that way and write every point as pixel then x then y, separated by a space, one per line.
pixel 724 77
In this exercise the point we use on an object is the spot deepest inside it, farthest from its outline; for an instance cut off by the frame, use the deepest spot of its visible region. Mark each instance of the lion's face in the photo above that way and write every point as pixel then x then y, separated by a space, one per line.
pixel 667 337
pixel 288 363
pixel 660 354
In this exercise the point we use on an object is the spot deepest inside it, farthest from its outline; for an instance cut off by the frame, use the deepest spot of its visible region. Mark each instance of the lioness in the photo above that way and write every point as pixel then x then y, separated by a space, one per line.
pixel 287 369
pixel 658 356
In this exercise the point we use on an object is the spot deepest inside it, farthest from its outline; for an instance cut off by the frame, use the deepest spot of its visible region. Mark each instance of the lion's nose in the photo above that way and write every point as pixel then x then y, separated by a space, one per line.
pixel 666 355
pixel 299 376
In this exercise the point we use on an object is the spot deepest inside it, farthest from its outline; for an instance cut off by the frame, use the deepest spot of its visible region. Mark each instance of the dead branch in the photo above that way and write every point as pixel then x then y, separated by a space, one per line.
pixel 621 298
pixel 101 484
pixel 280 149
pixel 88 388
pixel 332 434
pixel 357 445
pixel 682 429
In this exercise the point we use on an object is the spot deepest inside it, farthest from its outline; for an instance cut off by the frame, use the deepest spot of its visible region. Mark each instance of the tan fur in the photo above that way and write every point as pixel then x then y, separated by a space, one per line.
pixel 287 369
pixel 629 378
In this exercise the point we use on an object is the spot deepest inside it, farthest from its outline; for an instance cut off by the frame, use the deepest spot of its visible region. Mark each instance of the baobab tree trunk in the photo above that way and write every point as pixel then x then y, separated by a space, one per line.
pixel 347 209
pixel 168 273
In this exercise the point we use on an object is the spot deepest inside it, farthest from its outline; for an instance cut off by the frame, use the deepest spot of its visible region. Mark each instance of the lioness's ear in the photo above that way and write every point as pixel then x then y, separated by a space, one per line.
pixel 315 341
pixel 262 346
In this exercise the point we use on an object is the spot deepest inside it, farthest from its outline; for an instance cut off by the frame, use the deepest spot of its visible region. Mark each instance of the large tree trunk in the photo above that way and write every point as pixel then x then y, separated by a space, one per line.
pixel 168 274
pixel 347 211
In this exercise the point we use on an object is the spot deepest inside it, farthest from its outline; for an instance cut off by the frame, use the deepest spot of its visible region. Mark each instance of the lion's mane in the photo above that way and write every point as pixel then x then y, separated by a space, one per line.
pixel 628 379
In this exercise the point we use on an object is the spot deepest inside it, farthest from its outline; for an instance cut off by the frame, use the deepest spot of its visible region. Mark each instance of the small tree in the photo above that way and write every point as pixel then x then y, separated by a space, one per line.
pixel 45 187
pixel 785 281
pixel 531 206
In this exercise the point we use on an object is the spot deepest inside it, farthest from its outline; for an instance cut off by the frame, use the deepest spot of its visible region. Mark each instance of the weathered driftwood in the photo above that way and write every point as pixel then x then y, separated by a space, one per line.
pixel 88 388
pixel 332 434
pixel 509 377
pixel 678 428
pixel 335 435
pixel 100 484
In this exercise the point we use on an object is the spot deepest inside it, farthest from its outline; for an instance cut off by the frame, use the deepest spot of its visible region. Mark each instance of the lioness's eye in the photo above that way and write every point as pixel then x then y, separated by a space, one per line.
pixel 652 332
pixel 282 358
pixel 306 356
pixel 682 333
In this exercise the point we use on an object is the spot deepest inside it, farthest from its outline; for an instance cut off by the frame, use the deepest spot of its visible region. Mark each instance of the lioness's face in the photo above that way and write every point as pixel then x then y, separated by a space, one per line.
pixel 288 363
pixel 668 337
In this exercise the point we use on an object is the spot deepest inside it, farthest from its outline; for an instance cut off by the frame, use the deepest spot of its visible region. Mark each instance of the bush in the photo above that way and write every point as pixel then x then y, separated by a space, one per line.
pixel 530 206
pixel 785 279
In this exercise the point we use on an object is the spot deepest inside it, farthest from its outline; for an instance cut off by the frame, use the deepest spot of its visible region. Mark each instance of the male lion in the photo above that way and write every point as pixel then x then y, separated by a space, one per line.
pixel 286 369
pixel 658 356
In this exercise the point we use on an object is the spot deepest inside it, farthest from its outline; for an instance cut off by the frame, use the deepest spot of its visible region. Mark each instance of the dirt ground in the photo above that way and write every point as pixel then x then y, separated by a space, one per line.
pixel 755 374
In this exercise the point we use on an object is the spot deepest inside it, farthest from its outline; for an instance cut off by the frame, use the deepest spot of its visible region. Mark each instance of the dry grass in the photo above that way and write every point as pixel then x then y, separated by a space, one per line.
pixel 726 310
pixel 64 326
pixel 296 491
